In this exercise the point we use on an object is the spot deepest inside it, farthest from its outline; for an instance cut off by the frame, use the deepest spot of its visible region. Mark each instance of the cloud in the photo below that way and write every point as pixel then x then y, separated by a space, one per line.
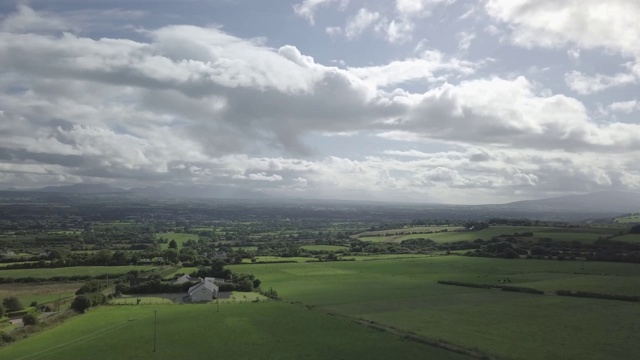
pixel 264 177
pixel 431 66
pixel 360 22
pixel 184 104
pixel 464 40
pixel 412 8
pixel 589 24
pixel 589 84
pixel 626 107
pixel 307 8
pixel 25 20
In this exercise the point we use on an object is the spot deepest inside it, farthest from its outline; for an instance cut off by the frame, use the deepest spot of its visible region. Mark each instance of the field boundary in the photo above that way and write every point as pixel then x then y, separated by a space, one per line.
pixel 411 336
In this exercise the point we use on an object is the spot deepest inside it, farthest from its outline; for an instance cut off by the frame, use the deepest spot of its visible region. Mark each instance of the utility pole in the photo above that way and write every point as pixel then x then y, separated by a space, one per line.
pixel 155 328
pixel 59 303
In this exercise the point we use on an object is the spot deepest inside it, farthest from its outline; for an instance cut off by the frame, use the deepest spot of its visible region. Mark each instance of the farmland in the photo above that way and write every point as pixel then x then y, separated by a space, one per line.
pixel 404 294
pixel 72 271
pixel 41 293
pixel 635 218
pixel 265 330
pixel 340 271
pixel 180 238
pixel 456 234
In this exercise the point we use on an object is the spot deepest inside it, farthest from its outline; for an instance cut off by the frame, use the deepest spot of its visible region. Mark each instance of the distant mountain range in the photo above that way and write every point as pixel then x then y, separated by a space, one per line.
pixel 167 191
pixel 604 201
pixel 598 202
pixel 82 189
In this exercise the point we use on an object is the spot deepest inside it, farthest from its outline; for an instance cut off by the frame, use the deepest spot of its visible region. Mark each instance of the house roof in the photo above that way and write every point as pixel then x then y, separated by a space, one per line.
pixel 206 284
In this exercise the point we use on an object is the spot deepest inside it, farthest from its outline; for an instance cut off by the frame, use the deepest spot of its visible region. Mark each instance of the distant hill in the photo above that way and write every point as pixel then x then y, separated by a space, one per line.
pixel 604 201
pixel 199 192
pixel 82 189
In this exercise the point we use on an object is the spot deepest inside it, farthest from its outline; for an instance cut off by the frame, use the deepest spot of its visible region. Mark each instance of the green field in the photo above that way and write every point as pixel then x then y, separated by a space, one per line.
pixel 264 330
pixel 72 271
pixel 325 247
pixel 635 218
pixel 404 294
pixel 557 234
pixel 144 300
pixel 185 270
pixel 628 238
pixel 279 258
pixel 180 238
pixel 42 293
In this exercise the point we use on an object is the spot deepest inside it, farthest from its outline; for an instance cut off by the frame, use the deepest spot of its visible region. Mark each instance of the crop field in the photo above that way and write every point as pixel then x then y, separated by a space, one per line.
pixel 180 238
pixel 558 234
pixel 72 271
pixel 403 293
pixel 42 293
pixel 264 330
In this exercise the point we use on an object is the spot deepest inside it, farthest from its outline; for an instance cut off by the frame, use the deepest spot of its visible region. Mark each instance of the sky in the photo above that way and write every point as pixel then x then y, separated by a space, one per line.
pixel 432 101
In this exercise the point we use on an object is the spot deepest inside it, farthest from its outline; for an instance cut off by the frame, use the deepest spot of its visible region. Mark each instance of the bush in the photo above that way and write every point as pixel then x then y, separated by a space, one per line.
pixel 29 319
pixel 92 286
pixel 3 310
pixel 81 303
pixel 12 304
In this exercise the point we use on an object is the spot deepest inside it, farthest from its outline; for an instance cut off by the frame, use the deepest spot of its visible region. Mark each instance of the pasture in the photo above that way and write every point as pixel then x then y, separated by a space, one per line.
pixel 555 233
pixel 264 330
pixel 42 293
pixel 184 270
pixel 403 293
pixel 634 218
pixel 325 247
pixel 180 238
pixel 72 271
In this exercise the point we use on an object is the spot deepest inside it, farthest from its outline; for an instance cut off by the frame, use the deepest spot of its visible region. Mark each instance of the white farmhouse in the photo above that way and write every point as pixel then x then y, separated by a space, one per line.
pixel 202 292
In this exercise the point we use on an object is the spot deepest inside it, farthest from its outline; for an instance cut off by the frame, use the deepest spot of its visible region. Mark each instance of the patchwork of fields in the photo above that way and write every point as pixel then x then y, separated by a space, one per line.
pixel 456 234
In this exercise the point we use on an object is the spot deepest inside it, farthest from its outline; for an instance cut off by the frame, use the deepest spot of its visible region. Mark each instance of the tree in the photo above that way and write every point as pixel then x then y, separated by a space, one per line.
pixel 635 229
pixel 12 304
pixel 81 303
pixel 173 244
pixel 91 286
pixel 29 319
pixel 2 310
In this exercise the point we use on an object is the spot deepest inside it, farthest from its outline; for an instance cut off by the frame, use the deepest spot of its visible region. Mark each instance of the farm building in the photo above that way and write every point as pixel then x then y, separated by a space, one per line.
pixel 185 279
pixel 205 291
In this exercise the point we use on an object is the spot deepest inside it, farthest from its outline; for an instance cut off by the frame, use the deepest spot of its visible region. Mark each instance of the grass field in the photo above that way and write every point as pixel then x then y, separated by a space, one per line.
pixel 180 238
pixel 325 247
pixel 558 234
pixel 278 258
pixel 635 218
pixel 72 271
pixel 403 293
pixel 144 300
pixel 628 238
pixel 185 270
pixel 264 330
pixel 42 293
